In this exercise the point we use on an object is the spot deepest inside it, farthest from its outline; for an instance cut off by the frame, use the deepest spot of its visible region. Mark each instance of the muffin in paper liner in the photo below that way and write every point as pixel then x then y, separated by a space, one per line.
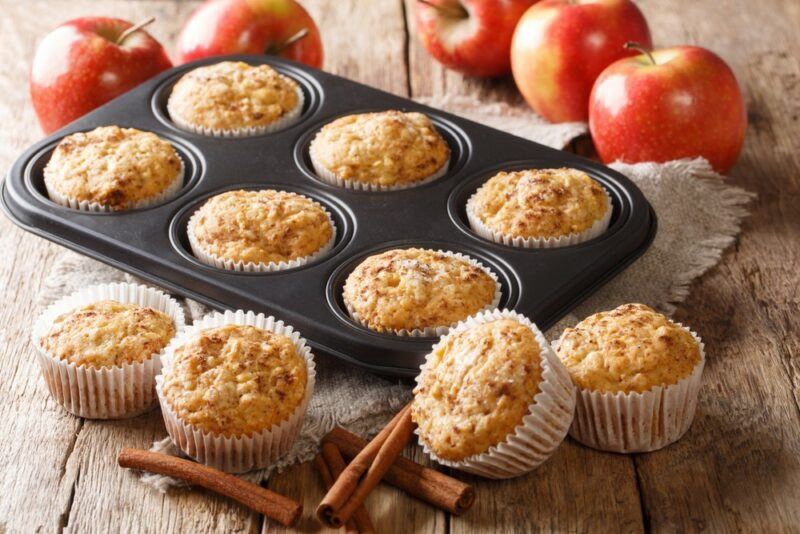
pixel 638 422
pixel 228 264
pixel 432 331
pixel 237 454
pixel 169 193
pixel 289 119
pixel 331 178
pixel 541 431
pixel 110 392
pixel 481 229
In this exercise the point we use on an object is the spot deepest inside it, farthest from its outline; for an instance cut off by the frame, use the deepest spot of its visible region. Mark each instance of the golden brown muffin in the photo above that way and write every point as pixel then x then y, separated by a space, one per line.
pixel 476 388
pixel 261 226
pixel 407 289
pixel 630 348
pixel 108 334
pixel 387 149
pixel 540 203
pixel 235 380
pixel 112 166
pixel 231 96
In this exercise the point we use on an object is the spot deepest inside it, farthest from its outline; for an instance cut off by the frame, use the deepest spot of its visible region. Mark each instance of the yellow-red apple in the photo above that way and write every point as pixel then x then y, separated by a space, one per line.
pixel 680 102
pixel 279 27
pixel 560 47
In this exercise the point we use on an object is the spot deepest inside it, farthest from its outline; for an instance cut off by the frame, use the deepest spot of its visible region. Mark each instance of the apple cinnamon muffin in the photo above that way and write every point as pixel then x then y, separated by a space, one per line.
pixel 108 334
pixel 380 151
pixel 650 367
pixel 540 208
pixel 492 398
pixel 113 169
pixel 260 230
pixel 235 380
pixel 234 99
pixel 418 291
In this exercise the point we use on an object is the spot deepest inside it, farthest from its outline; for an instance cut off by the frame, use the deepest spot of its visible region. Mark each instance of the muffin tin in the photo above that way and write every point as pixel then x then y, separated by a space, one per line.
pixel 151 243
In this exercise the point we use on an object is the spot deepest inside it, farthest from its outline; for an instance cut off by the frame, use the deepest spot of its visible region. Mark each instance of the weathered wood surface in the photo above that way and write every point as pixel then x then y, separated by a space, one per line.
pixel 738 468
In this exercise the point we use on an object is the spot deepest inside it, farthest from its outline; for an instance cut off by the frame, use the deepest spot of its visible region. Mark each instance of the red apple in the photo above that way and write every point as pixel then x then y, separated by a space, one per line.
pixel 680 102
pixel 281 27
pixel 560 47
pixel 470 36
pixel 86 62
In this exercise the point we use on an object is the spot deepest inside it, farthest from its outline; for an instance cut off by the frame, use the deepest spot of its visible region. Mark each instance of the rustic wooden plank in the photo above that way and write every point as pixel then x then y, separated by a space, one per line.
pixel 739 466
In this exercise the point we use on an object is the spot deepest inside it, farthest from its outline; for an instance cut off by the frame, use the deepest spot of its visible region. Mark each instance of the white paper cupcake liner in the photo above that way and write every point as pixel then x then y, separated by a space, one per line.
pixel 638 422
pixel 237 454
pixel 436 330
pixel 290 118
pixel 109 392
pixel 169 193
pixel 541 431
pixel 597 229
pixel 228 264
pixel 331 178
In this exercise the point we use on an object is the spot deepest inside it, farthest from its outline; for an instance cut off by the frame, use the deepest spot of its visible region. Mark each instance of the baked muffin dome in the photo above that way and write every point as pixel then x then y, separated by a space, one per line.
pixel 632 348
pixel 108 334
pixel 235 380
pixel 405 290
pixel 260 227
pixel 113 169
pixel 478 385
pixel 539 203
pixel 234 98
pixel 383 150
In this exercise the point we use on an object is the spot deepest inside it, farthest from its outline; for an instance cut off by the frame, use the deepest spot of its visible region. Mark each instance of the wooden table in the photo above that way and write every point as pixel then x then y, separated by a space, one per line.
pixel 738 468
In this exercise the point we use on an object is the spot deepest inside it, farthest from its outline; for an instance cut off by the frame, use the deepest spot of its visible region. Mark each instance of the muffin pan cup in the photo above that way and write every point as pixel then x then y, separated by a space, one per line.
pixel 238 454
pixel 152 243
pixel 109 392
pixel 540 432
pixel 638 422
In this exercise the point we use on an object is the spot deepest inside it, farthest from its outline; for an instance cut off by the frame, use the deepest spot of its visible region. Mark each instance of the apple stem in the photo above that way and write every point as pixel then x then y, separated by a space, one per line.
pixel 456 12
pixel 632 45
pixel 289 42
pixel 133 29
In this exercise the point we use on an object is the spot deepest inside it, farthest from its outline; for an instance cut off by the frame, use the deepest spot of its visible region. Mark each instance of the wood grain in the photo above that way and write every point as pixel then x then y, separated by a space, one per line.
pixel 738 468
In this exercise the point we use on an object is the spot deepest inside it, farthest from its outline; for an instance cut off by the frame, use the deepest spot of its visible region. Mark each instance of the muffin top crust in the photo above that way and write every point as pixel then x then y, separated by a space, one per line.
pixel 108 334
pixel 112 166
pixel 232 95
pixel 388 148
pixel 407 289
pixel 631 348
pixel 235 380
pixel 261 226
pixel 540 202
pixel 476 388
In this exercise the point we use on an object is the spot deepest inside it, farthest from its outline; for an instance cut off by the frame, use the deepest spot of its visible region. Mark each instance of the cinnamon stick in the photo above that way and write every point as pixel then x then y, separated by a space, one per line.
pixel 328 479
pixel 273 505
pixel 350 489
pixel 334 460
pixel 424 483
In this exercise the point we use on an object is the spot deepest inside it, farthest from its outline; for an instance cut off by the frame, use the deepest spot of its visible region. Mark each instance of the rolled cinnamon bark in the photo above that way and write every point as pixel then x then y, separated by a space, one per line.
pixel 328 479
pixel 350 489
pixel 333 459
pixel 273 505
pixel 424 483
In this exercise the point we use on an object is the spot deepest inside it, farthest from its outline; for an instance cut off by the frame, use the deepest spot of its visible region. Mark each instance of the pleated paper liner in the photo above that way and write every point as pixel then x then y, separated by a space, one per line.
pixel 330 177
pixel 288 119
pixel 237 454
pixel 435 330
pixel 109 392
pixel 540 432
pixel 597 229
pixel 638 422
pixel 229 264
pixel 170 192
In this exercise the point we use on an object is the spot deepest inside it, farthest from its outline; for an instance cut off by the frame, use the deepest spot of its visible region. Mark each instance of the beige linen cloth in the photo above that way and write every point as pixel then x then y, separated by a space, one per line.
pixel 698 216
